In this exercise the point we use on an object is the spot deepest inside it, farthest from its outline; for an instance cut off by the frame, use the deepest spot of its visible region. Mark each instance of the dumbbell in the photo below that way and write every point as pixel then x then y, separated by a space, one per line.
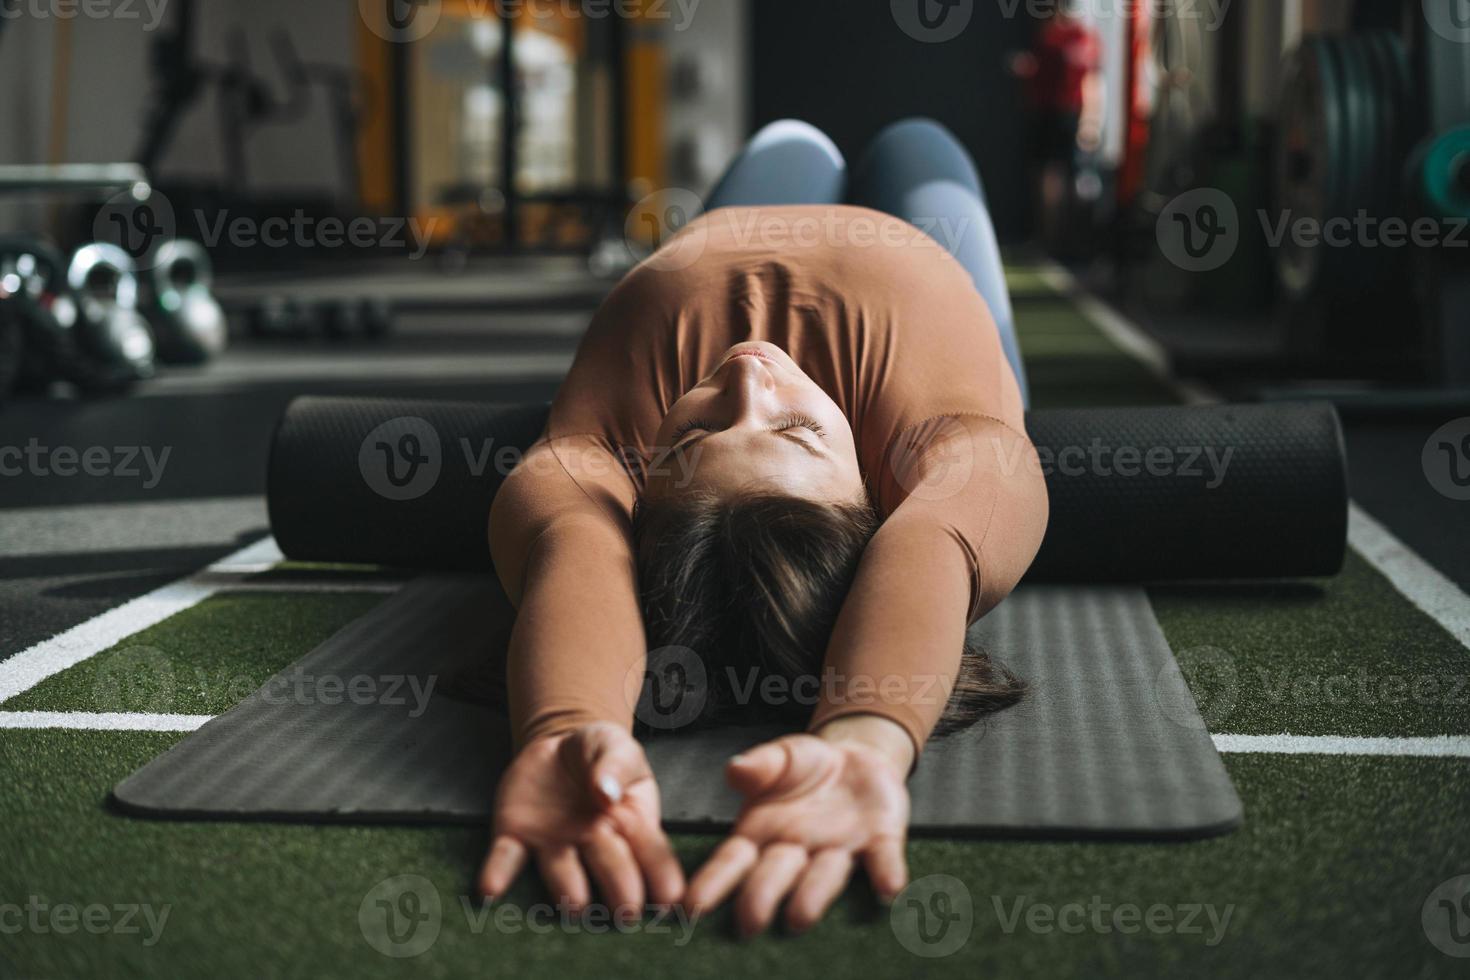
pixel 334 319
pixel 49 314
pixel 345 319
pixel 109 328
pixel 188 324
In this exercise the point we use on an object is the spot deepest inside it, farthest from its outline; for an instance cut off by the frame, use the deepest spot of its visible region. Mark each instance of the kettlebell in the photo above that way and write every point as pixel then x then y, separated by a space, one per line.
pixel 189 326
pixel 110 330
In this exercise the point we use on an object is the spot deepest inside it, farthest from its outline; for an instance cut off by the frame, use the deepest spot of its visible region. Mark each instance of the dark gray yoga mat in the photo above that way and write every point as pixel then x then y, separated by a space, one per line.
pixel 1108 744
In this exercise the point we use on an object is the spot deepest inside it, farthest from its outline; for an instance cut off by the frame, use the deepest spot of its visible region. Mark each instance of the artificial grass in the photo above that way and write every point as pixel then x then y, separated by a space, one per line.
pixel 1327 878
pixel 1342 656
pixel 202 660
pixel 1070 364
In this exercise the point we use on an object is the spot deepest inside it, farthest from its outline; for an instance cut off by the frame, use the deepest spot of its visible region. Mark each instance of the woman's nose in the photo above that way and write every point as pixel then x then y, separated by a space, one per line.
pixel 749 374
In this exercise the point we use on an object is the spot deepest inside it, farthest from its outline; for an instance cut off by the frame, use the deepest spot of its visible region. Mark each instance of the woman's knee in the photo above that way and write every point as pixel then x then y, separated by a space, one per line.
pixel 796 133
pixel 922 148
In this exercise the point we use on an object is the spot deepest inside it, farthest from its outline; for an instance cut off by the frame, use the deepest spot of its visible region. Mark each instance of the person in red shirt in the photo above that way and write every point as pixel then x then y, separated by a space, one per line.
pixel 1064 90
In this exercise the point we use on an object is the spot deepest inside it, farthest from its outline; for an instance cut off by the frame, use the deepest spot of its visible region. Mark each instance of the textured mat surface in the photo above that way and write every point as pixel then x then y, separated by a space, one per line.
pixel 374 725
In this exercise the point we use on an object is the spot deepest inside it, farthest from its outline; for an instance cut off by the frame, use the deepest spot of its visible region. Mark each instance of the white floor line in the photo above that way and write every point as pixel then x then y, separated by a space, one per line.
pixel 28 668
pixel 1437 746
pixel 1436 596
pixel 1124 333
pixel 106 721
pixel 1439 598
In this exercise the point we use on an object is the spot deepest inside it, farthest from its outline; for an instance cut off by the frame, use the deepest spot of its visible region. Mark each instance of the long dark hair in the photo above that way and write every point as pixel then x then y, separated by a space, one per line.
pixel 752 584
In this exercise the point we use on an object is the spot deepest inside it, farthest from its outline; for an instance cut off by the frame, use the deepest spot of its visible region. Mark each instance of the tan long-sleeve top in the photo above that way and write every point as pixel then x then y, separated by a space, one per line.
pixel 892 328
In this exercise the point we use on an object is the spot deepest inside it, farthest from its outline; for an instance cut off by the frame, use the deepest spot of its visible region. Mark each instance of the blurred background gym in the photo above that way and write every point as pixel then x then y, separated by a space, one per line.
pixel 210 206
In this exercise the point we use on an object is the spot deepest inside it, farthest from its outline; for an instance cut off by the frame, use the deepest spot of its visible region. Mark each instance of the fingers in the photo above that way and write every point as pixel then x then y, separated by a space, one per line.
pixel 561 869
pixel 714 882
pixel 887 867
pixel 610 859
pixel 819 887
pixel 774 874
pixel 776 766
pixel 506 858
pixel 760 769
pixel 655 856
pixel 608 760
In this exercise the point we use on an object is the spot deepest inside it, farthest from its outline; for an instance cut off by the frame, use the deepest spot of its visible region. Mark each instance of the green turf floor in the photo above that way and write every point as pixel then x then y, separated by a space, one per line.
pixel 1328 877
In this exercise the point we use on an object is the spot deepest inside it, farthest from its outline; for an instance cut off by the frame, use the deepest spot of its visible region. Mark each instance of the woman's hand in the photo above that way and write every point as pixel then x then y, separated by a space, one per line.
pixel 584 801
pixel 814 805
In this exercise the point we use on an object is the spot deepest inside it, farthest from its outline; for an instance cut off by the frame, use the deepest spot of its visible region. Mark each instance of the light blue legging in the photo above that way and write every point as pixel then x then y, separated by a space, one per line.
pixel 915 170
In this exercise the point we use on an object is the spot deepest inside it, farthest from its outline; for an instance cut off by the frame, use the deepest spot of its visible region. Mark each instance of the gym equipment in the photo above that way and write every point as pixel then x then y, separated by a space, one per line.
pixel 188 324
pixel 1346 123
pixel 286 317
pixel 31 275
pixel 1349 114
pixel 1109 745
pixel 276 316
pixel 109 326
pixel 1444 174
pixel 59 344
pixel 1214 492
pixel 12 339
pixel 95 177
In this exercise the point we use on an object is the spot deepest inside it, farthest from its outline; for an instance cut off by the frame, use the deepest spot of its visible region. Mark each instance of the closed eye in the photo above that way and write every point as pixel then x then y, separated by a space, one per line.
pixel 793 420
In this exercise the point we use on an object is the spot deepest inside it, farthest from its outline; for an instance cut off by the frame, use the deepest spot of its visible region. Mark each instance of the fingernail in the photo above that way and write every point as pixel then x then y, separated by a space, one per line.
pixel 610 788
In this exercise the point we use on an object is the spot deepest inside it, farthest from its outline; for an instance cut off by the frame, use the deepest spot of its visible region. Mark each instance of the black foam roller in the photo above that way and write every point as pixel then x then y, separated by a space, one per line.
pixel 1234 491
pixel 332 497
pixel 1137 494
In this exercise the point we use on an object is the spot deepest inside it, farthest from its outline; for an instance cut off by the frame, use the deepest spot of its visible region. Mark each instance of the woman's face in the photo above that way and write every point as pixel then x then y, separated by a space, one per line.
pixel 757 422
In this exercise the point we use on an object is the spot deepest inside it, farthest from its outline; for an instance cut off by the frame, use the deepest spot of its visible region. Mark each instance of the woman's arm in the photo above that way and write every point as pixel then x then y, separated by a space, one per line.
pixel 816 804
pixel 971 519
pixel 579 794
pixel 562 546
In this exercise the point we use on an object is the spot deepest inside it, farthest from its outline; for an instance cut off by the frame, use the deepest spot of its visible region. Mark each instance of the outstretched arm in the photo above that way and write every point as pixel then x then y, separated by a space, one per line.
pixel 579 794
pixel 970 521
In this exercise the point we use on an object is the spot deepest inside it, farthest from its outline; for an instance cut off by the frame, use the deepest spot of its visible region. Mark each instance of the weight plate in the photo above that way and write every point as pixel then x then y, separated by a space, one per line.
pixel 1312 139
pixel 1445 175
pixel 1389 158
pixel 1352 261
